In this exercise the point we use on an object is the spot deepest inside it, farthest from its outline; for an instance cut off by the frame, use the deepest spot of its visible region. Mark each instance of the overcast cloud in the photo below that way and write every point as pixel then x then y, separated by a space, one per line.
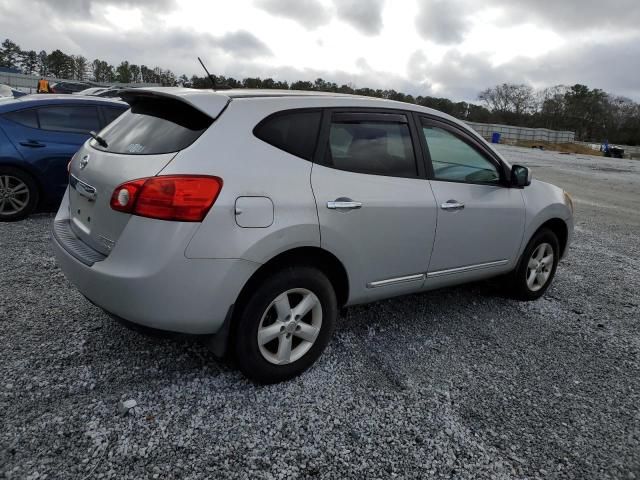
pixel 85 8
pixel 453 48
pixel 442 21
pixel 310 13
pixel 364 15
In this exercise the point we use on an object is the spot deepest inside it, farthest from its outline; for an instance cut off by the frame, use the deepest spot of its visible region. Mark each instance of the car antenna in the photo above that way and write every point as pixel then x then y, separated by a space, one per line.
pixel 213 80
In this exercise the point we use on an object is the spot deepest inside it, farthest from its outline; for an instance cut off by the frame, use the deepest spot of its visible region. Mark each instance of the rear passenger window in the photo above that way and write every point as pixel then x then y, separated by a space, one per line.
pixel 76 119
pixel 371 146
pixel 293 132
pixel 27 118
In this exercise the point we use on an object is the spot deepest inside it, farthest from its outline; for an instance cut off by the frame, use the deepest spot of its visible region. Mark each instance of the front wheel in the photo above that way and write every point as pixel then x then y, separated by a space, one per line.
pixel 537 266
pixel 285 325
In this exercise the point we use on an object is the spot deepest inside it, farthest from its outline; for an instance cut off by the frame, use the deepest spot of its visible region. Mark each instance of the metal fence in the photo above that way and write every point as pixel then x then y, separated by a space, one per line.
pixel 29 83
pixel 508 132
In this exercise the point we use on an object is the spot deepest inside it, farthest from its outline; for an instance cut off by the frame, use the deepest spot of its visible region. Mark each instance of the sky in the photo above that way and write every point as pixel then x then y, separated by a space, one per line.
pixel 448 48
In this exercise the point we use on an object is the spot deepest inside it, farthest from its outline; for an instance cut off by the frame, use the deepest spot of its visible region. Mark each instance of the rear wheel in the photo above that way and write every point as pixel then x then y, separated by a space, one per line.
pixel 537 266
pixel 285 325
pixel 18 194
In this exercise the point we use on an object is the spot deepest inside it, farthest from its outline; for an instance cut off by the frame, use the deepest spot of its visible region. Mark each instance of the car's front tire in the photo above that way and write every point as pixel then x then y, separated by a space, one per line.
pixel 285 324
pixel 537 266
pixel 18 194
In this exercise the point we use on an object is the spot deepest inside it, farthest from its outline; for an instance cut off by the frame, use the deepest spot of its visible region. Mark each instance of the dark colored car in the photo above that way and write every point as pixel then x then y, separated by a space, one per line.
pixel 614 152
pixel 113 92
pixel 68 87
pixel 38 136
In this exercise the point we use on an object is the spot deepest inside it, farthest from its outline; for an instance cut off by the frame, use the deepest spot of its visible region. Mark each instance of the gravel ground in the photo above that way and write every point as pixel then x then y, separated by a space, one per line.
pixel 458 383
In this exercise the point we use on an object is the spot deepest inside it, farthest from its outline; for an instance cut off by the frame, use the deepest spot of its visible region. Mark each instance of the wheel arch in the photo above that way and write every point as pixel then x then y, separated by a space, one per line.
pixel 221 342
pixel 560 229
pixel 307 256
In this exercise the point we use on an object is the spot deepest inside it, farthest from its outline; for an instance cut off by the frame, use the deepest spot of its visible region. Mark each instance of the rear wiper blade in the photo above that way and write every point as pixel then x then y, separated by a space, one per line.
pixel 101 141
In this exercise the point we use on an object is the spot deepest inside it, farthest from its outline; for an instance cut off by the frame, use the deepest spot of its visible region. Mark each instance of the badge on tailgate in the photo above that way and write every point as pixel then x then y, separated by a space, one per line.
pixel 82 188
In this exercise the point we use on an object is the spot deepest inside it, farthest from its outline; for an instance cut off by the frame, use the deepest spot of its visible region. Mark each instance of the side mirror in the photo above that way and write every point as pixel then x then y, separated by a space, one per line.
pixel 521 176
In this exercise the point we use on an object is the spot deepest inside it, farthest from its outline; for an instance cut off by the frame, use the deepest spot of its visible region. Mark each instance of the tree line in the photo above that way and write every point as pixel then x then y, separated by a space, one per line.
pixel 58 64
pixel 593 114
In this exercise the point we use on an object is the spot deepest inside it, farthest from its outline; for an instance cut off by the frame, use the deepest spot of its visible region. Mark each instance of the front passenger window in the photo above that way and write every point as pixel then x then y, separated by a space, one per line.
pixel 455 160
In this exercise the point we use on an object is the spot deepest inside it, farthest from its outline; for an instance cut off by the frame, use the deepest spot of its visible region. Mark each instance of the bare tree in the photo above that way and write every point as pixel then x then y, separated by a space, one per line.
pixel 519 100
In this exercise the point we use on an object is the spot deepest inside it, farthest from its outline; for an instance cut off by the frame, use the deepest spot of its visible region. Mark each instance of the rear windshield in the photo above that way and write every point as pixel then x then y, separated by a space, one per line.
pixel 153 126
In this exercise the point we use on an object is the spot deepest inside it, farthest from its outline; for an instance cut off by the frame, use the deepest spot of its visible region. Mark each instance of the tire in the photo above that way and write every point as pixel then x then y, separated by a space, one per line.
pixel 540 247
pixel 18 194
pixel 270 312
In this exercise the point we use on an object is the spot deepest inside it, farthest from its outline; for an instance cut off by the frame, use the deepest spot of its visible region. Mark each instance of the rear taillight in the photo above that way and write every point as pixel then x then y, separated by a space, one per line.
pixel 183 198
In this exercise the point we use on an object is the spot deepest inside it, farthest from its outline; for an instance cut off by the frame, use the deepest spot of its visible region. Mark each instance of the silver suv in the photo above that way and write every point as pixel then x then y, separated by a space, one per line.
pixel 254 216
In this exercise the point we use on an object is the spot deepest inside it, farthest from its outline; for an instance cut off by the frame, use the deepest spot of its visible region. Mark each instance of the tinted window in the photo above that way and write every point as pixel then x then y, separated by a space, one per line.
pixel 294 132
pixel 78 119
pixel 457 161
pixel 28 118
pixel 374 147
pixel 154 126
pixel 109 93
pixel 110 114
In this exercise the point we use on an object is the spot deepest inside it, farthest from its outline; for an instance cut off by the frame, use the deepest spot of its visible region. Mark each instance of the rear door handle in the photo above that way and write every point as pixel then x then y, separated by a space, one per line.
pixel 452 205
pixel 32 144
pixel 344 204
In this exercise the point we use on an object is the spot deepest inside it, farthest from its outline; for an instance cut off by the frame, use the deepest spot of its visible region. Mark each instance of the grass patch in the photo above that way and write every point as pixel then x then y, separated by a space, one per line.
pixel 561 147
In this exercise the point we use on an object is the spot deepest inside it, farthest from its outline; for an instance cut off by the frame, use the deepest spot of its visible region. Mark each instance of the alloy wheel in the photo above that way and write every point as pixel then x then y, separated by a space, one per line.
pixel 540 267
pixel 14 195
pixel 289 326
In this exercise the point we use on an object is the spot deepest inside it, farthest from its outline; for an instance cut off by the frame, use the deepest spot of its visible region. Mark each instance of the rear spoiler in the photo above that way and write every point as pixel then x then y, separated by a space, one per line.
pixel 210 103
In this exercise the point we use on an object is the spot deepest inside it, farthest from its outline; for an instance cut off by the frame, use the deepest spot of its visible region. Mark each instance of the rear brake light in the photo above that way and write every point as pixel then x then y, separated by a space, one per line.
pixel 183 198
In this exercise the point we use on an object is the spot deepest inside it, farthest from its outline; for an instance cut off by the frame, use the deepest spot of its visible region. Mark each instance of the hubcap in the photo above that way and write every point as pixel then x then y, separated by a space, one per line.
pixel 539 267
pixel 14 195
pixel 289 326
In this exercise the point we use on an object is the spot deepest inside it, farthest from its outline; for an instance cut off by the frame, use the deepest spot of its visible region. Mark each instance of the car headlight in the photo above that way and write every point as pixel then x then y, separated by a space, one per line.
pixel 568 201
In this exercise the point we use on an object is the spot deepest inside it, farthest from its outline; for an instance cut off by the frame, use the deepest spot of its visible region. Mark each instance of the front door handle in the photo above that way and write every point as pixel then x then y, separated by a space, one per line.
pixel 452 205
pixel 344 204
pixel 32 144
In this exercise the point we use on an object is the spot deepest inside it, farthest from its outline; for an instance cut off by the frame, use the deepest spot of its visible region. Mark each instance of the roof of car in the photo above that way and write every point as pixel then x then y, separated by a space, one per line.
pixel 256 93
pixel 212 101
pixel 53 99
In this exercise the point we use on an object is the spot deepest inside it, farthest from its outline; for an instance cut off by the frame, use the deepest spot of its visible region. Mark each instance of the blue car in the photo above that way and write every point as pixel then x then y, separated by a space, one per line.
pixel 38 136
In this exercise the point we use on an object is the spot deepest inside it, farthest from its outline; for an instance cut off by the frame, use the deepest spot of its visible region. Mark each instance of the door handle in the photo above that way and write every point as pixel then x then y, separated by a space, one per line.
pixel 32 144
pixel 344 204
pixel 452 205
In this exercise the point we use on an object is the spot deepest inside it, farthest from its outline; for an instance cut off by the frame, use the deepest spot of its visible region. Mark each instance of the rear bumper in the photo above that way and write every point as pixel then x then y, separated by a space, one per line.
pixel 147 280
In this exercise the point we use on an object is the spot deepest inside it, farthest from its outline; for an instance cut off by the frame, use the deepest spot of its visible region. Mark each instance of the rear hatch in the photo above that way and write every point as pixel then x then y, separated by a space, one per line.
pixel 139 144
